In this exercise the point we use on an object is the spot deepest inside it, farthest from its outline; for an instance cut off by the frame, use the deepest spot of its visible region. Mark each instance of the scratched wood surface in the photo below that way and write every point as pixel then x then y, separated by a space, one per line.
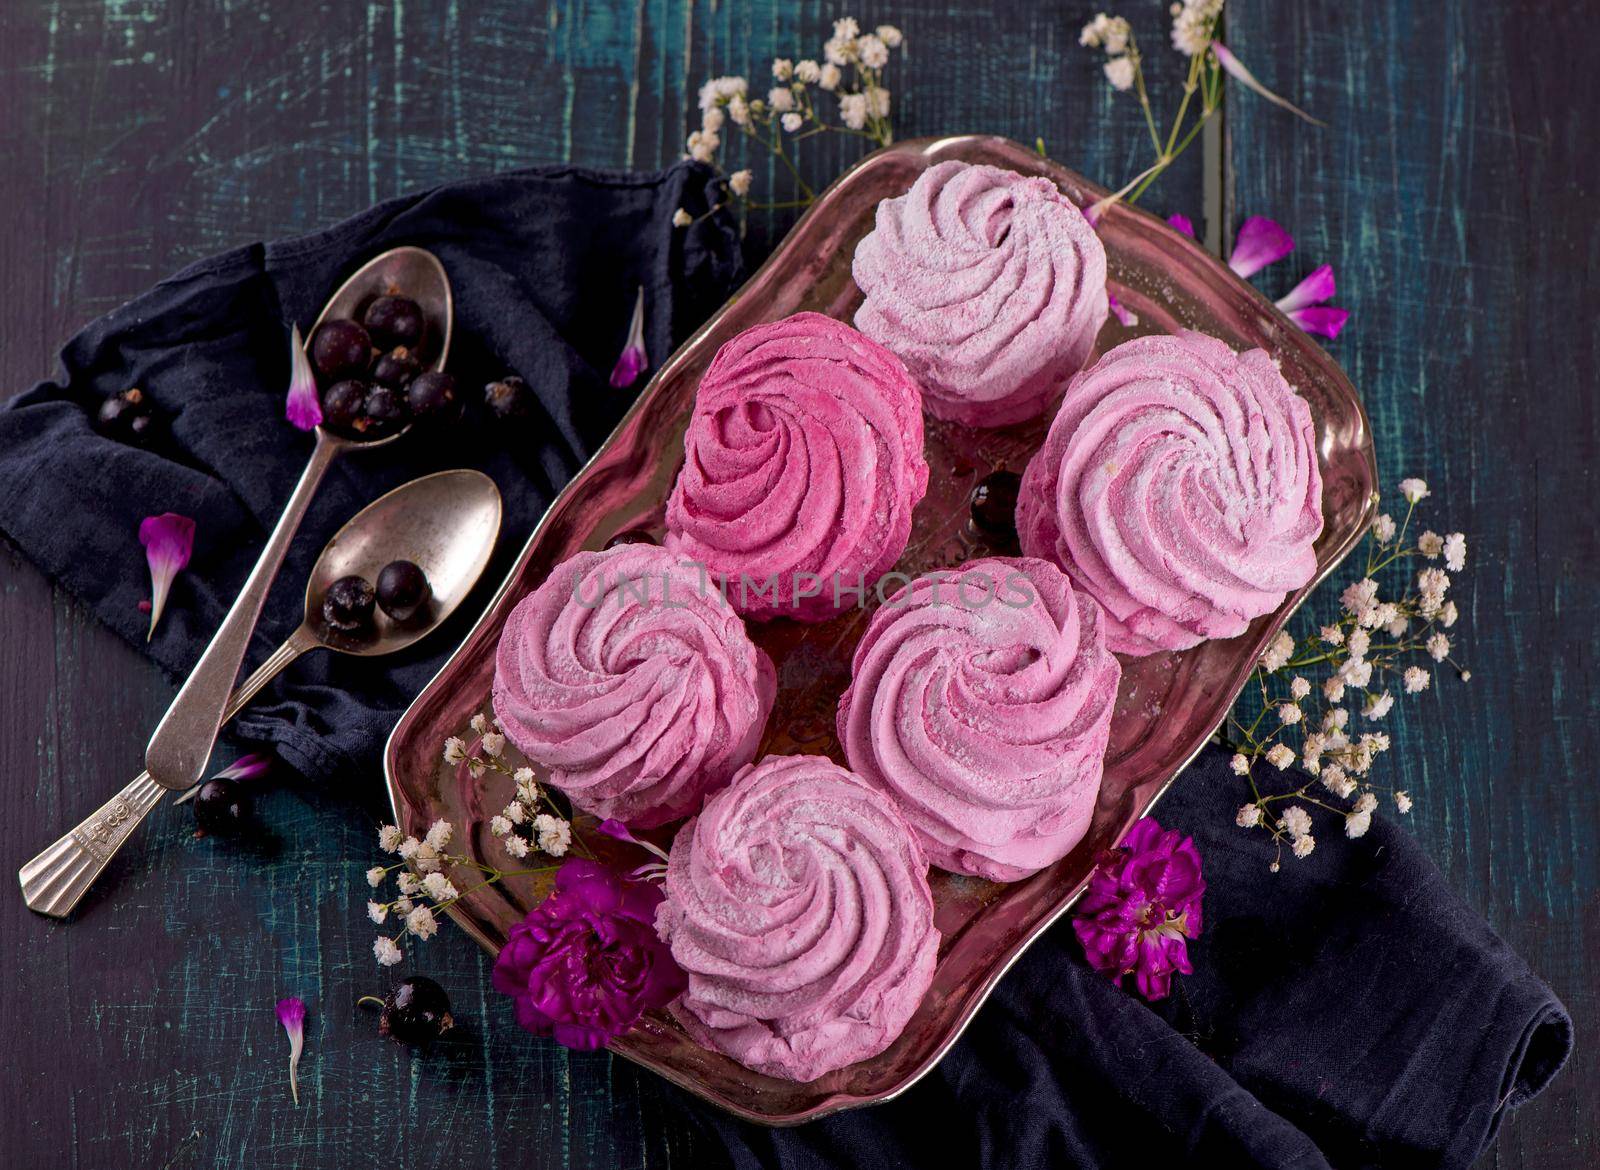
pixel 1454 193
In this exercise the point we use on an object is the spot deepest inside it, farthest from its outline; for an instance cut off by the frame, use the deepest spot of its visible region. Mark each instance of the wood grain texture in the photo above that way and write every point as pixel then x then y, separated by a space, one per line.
pixel 1453 192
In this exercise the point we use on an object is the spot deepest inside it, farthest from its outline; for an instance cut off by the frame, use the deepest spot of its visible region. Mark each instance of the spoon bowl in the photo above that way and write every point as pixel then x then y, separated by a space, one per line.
pixel 443 523
pixel 407 271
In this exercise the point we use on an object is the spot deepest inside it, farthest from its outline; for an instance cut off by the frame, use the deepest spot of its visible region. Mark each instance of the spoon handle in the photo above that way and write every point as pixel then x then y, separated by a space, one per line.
pixel 178 751
pixel 56 881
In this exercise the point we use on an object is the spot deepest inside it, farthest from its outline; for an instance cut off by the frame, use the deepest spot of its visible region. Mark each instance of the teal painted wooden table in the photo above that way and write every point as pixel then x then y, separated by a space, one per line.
pixel 1454 192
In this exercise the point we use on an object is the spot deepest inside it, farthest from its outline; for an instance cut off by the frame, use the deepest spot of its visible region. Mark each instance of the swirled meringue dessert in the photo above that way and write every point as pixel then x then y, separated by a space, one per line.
pixel 1179 487
pixel 981 700
pixel 803 464
pixel 990 285
pixel 798 904
pixel 629 679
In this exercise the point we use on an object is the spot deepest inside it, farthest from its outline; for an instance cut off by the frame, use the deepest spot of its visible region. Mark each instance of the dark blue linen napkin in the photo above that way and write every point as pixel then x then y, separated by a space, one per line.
pixel 545 266
pixel 1349 1011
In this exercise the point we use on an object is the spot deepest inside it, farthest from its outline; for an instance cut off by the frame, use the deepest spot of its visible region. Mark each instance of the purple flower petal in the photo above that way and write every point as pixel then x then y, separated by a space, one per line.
pixel 1182 224
pixel 1322 320
pixel 1235 69
pixel 250 767
pixel 168 540
pixel 292 1015
pixel 633 361
pixel 1313 290
pixel 1142 906
pixel 586 963
pixel 617 831
pixel 303 407
pixel 1126 316
pixel 1260 242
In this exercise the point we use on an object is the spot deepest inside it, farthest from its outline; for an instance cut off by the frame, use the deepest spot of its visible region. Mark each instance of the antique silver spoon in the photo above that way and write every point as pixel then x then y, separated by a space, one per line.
pixel 177 753
pixel 446 523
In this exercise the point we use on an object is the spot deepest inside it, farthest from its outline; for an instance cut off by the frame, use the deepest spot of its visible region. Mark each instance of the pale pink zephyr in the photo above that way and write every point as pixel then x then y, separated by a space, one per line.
pixel 632 683
pixel 989 284
pixel 798 904
pixel 803 462
pixel 1179 486
pixel 981 699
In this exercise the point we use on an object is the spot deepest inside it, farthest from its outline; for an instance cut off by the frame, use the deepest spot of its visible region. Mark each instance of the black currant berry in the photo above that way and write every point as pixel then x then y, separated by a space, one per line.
pixel 417 1011
pixel 402 588
pixel 348 604
pixel 340 349
pixel 994 502
pixel 342 404
pixel 396 368
pixel 127 417
pixel 508 399
pixel 433 398
pixel 394 321
pixel 384 413
pixel 222 807
pixel 631 536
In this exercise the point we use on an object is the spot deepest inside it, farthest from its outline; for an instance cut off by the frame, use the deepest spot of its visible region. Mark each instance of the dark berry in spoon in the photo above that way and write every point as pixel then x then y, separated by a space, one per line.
pixel 348 604
pixel 384 413
pixel 396 368
pixel 127 417
pixel 994 502
pixel 402 588
pixel 631 536
pixel 222 807
pixel 417 1011
pixel 509 398
pixel 340 349
pixel 433 398
pixel 342 404
pixel 393 321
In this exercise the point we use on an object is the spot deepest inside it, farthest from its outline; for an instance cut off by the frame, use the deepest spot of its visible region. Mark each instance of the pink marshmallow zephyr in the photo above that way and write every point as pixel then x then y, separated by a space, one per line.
pixel 980 700
pixel 798 904
pixel 1179 487
pixel 633 683
pixel 803 462
pixel 991 286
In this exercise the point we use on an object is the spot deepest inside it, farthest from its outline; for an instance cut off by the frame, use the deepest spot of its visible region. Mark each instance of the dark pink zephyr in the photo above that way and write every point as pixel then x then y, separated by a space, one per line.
pixel 632 683
pixel 1179 487
pixel 991 286
pixel 803 463
pixel 798 903
pixel 981 700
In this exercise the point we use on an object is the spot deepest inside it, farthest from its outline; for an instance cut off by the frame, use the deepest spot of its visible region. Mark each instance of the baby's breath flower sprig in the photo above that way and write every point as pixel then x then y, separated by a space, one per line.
pixel 1308 694
pixel 850 72
pixel 424 884
pixel 1194 35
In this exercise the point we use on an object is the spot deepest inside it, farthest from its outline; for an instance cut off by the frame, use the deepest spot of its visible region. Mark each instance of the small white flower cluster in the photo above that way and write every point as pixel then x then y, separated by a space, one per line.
pixel 790 106
pixel 422 881
pixel 1369 641
pixel 1194 23
pixel 1115 36
pixel 523 828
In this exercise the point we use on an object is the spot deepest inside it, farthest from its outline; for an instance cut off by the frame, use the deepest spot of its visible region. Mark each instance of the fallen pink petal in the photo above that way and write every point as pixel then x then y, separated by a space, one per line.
pixel 292 1015
pixel 247 767
pixel 1181 224
pixel 1316 288
pixel 1322 320
pixel 304 406
pixel 1260 242
pixel 1126 316
pixel 168 541
pixel 633 361
pixel 1235 69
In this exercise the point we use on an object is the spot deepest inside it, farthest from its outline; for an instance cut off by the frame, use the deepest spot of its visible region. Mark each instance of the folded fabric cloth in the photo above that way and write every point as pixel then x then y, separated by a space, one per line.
pixel 1347 1011
pixel 545 266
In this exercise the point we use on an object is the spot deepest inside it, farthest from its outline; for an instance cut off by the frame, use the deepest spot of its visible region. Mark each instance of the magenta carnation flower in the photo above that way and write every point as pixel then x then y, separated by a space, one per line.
pixel 586 963
pixel 1142 907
